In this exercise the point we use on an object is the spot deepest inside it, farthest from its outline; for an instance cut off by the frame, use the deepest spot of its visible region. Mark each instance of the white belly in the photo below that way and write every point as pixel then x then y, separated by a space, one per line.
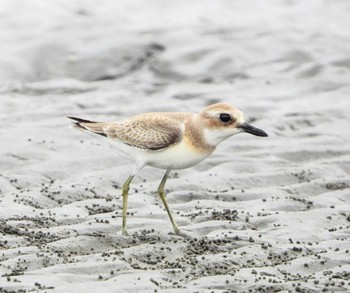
pixel 180 156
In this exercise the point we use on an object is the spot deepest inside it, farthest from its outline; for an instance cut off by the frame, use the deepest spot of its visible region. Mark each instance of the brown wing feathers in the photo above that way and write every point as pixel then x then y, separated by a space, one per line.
pixel 153 135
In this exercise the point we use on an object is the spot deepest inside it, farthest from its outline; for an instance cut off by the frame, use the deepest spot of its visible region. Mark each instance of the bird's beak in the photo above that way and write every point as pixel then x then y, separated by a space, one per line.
pixel 246 127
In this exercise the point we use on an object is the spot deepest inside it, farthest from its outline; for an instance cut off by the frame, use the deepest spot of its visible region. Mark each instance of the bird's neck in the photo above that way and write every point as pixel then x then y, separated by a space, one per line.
pixel 194 130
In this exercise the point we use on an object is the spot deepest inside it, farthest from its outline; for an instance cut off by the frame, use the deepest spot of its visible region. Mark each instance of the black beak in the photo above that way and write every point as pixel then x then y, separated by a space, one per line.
pixel 246 127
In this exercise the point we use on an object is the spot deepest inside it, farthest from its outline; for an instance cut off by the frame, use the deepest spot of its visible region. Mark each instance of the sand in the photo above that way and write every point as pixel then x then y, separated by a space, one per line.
pixel 261 214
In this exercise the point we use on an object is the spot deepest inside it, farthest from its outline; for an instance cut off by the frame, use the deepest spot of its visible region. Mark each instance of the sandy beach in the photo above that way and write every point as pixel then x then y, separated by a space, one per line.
pixel 261 214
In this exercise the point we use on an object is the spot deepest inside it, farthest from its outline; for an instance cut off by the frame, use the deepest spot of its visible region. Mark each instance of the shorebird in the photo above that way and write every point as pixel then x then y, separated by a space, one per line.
pixel 170 141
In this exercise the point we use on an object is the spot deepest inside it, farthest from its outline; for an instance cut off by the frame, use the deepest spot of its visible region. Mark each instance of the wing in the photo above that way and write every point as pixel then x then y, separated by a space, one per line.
pixel 152 131
pixel 153 134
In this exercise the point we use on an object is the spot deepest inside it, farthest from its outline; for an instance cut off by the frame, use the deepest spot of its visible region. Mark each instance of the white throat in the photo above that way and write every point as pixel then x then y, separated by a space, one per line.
pixel 215 136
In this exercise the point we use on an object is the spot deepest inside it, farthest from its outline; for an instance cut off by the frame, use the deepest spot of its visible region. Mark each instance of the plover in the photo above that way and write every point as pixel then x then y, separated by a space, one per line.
pixel 170 141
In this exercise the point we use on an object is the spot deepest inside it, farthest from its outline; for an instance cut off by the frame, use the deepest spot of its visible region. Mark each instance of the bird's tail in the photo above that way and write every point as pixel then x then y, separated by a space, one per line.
pixel 93 126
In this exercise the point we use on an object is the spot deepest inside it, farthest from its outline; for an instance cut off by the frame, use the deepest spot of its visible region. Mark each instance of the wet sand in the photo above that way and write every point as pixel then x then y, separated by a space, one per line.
pixel 262 214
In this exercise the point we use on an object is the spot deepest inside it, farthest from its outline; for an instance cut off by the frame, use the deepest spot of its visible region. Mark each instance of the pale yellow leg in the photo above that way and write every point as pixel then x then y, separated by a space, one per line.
pixel 163 198
pixel 125 191
pixel 126 187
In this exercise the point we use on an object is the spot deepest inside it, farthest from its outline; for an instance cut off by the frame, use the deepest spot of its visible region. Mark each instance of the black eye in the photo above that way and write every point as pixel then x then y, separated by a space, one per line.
pixel 225 117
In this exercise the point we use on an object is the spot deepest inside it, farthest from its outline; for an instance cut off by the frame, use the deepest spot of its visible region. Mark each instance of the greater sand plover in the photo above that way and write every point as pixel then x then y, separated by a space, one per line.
pixel 170 141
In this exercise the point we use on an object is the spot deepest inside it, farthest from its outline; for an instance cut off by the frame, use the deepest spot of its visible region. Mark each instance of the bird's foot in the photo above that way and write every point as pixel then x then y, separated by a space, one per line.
pixel 125 232
pixel 183 234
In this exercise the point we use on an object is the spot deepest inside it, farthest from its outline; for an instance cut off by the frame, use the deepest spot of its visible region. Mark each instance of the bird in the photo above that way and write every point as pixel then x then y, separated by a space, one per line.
pixel 169 141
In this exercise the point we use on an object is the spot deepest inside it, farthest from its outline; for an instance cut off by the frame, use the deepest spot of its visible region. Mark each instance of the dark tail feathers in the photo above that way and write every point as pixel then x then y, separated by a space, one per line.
pixel 93 126
pixel 79 120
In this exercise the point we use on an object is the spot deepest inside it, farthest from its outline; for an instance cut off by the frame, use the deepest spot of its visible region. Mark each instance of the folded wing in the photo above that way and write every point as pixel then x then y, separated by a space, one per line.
pixel 148 133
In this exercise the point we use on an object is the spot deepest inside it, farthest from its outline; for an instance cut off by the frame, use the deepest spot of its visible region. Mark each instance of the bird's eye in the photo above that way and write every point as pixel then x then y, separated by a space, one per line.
pixel 225 117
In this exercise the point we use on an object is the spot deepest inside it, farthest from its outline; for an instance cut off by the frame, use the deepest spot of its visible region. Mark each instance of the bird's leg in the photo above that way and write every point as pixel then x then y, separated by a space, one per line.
pixel 163 198
pixel 125 191
pixel 126 187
